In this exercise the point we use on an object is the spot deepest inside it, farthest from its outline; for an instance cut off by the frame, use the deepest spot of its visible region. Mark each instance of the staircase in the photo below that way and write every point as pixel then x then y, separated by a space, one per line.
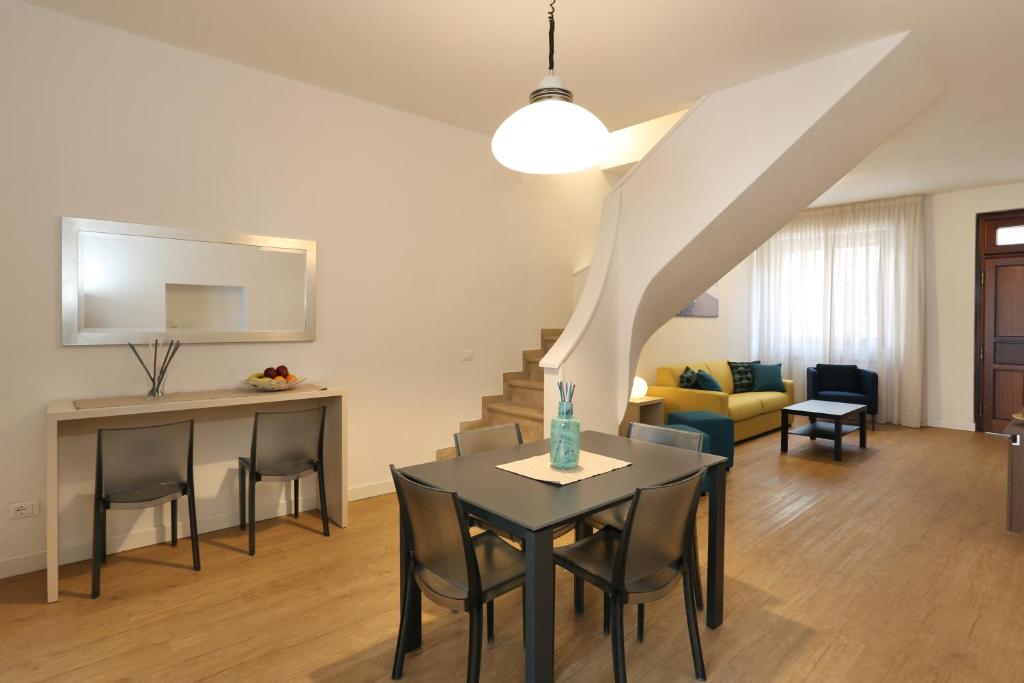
pixel 521 401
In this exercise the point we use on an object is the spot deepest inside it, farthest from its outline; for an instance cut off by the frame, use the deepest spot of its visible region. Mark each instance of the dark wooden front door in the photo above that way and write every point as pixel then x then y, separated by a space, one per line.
pixel 1000 336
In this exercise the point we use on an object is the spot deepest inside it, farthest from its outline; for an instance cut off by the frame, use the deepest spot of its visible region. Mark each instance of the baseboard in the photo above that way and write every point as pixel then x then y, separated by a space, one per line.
pixel 370 490
pixel 951 424
pixel 75 552
pixel 82 550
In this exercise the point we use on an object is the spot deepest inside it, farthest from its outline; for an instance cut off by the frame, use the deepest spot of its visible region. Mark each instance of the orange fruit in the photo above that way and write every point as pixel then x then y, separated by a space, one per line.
pixel 292 378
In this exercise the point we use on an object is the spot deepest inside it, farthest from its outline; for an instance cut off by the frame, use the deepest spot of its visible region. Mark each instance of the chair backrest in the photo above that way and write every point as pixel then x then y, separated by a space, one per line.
pixel 288 437
pixel 677 438
pixel 437 531
pixel 658 529
pixel 135 457
pixel 487 439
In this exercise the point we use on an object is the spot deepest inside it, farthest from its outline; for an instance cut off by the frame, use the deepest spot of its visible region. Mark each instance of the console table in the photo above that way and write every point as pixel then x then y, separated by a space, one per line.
pixel 131 411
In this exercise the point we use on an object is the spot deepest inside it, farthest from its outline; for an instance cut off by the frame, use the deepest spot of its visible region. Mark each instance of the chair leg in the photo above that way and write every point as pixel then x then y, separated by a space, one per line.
pixel 403 628
pixel 607 613
pixel 295 498
pixel 103 533
pixel 241 497
pixel 695 571
pixel 193 527
pixel 252 512
pixel 174 523
pixel 618 642
pixel 97 551
pixel 490 621
pixel 640 622
pixel 693 629
pixel 322 494
pixel 475 644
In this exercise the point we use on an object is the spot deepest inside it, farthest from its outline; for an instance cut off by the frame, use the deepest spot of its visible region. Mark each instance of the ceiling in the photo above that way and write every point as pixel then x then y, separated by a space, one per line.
pixel 471 62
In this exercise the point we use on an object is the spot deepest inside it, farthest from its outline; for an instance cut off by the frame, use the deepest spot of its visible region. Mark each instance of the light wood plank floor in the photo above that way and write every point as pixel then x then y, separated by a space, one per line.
pixel 892 565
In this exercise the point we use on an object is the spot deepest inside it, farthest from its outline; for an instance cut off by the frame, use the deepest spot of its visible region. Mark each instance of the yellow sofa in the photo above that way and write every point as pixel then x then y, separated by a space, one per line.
pixel 752 412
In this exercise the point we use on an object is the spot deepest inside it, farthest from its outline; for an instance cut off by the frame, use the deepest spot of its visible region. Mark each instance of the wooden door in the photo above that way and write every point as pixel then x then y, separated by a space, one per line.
pixel 1001 319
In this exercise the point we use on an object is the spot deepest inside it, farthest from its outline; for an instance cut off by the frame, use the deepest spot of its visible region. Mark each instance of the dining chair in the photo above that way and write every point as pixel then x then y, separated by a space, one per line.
pixel 286 446
pixel 615 517
pixel 453 569
pixel 492 438
pixel 141 467
pixel 644 561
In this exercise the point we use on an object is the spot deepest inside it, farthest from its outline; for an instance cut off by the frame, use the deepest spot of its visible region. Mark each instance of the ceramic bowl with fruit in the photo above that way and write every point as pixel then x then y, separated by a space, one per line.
pixel 273 379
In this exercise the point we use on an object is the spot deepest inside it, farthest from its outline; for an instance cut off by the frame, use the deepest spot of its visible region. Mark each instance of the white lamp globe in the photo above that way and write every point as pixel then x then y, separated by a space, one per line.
pixel 639 388
pixel 550 135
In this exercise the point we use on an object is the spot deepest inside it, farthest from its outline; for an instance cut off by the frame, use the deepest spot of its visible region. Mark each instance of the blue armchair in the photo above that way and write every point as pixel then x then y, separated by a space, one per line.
pixel 846 384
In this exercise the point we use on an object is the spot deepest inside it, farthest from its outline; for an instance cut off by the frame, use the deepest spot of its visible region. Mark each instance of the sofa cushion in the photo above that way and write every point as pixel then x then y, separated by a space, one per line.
pixel 668 376
pixel 720 370
pixel 768 377
pixel 770 400
pixel 742 375
pixel 838 378
pixel 706 382
pixel 744 406
pixel 843 397
pixel 688 379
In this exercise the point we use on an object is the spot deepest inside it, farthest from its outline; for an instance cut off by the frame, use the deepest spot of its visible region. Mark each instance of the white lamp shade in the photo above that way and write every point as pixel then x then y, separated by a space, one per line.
pixel 550 136
pixel 639 388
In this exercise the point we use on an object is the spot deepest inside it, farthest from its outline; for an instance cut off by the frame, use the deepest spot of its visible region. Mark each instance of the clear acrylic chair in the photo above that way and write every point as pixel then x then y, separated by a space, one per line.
pixel 615 517
pixel 142 467
pixel 644 561
pixel 285 447
pixel 451 568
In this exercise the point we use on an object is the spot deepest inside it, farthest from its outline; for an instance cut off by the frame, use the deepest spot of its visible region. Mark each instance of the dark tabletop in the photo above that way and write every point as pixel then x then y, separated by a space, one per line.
pixel 535 505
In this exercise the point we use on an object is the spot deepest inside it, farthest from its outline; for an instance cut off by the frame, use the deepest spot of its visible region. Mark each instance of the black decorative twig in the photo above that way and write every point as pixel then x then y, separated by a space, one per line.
pixel 158 375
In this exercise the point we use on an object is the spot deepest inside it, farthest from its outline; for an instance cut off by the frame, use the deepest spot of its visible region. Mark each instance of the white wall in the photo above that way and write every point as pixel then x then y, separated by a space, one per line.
pixel 726 337
pixel 426 246
pixel 950 225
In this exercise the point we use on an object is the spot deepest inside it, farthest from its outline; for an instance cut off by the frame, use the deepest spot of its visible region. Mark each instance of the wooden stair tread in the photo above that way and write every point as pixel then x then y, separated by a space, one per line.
pixel 527 383
pixel 533 355
pixel 518 410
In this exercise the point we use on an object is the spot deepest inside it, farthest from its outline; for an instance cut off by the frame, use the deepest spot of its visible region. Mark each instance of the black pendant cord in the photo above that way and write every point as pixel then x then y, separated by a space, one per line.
pixel 551 37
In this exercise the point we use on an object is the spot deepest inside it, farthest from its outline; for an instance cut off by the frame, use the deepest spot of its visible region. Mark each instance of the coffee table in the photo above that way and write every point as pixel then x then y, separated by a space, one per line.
pixel 834 430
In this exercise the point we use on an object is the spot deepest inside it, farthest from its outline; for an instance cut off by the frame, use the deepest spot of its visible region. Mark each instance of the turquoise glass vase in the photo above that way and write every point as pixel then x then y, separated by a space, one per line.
pixel 565 438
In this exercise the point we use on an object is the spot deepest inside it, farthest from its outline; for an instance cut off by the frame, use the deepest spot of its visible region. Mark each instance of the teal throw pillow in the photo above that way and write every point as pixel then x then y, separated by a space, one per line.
pixel 706 382
pixel 768 377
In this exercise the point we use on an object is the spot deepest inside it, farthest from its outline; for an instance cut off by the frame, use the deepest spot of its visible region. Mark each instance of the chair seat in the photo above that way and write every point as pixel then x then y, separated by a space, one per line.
pixel 593 558
pixel 146 496
pixel 282 470
pixel 481 524
pixel 615 517
pixel 843 397
pixel 502 568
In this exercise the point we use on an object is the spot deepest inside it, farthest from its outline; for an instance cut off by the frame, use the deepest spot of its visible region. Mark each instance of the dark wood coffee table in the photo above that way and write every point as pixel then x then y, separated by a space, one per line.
pixel 835 429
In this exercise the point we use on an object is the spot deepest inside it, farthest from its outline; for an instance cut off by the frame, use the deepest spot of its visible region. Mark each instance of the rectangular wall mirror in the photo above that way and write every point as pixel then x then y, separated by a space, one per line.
pixel 124 282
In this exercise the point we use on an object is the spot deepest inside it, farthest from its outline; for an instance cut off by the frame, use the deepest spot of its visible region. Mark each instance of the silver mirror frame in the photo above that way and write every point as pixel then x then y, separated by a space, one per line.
pixel 73 335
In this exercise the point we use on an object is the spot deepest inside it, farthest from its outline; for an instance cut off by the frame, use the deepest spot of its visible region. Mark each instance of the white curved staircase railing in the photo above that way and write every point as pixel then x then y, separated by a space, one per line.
pixel 730 174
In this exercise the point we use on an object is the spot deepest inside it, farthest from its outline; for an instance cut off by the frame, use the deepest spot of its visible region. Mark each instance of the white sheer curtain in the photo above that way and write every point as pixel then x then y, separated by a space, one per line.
pixel 845 284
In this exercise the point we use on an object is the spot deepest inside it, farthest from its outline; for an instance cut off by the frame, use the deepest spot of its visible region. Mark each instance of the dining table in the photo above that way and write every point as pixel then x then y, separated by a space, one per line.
pixel 530 510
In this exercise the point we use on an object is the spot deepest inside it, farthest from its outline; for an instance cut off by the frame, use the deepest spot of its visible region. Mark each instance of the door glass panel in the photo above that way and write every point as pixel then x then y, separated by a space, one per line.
pixel 1013 234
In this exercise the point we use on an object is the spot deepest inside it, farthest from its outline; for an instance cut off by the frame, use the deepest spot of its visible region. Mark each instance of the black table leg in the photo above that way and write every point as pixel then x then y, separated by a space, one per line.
pixel 716 543
pixel 837 446
pixel 864 429
pixel 582 531
pixel 813 420
pixel 785 432
pixel 540 606
pixel 415 626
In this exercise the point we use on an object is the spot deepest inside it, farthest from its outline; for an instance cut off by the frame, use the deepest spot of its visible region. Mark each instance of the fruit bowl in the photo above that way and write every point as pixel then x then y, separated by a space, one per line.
pixel 273 379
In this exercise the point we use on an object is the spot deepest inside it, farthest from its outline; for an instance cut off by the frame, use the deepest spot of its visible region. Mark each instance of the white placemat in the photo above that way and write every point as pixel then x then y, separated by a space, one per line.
pixel 539 468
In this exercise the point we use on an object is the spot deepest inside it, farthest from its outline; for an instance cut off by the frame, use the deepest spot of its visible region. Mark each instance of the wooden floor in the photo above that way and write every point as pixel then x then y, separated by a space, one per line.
pixel 892 565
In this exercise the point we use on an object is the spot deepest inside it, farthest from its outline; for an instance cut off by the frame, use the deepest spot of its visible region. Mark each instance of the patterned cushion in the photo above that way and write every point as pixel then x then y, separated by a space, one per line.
pixel 742 375
pixel 688 379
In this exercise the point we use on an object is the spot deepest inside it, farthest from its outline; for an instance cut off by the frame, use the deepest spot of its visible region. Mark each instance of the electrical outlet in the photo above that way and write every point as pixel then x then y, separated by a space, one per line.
pixel 28 508
pixel 466 354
